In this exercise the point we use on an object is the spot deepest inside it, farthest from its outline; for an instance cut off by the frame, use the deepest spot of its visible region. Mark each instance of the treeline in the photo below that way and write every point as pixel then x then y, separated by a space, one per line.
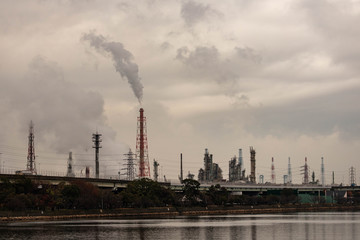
pixel 23 194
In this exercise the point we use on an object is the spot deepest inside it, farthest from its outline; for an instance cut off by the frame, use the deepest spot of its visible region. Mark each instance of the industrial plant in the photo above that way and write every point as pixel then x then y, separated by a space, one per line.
pixel 135 166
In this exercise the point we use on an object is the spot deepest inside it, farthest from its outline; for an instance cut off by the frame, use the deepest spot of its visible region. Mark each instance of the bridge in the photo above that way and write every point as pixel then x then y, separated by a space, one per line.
pixel 241 188
pixel 55 180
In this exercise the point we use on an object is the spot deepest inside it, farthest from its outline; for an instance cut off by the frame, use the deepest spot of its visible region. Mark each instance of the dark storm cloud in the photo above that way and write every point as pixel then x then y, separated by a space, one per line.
pixel 64 114
pixel 122 58
pixel 193 12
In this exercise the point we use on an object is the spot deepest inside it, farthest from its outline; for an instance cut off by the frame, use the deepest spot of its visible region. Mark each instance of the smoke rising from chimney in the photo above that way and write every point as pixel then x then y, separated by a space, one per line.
pixel 122 59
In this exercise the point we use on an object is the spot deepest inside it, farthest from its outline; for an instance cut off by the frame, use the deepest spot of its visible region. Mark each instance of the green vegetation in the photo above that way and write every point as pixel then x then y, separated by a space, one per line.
pixel 23 194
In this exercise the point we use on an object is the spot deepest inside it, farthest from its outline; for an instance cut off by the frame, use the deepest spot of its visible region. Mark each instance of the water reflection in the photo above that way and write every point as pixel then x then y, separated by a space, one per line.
pixel 253 232
pixel 310 226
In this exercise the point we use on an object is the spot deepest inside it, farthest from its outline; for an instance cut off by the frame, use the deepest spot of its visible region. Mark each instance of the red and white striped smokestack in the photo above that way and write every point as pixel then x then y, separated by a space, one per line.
pixel 142 146
pixel 272 171
pixel 141 122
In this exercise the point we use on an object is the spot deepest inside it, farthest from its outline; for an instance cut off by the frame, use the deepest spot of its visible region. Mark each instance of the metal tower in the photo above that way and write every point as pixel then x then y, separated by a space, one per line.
pixel 96 138
pixel 352 176
pixel 252 163
pixel 142 147
pixel 156 172
pixel 130 165
pixel 31 151
pixel 70 172
pixel 289 172
pixel 305 170
pixel 273 180
pixel 322 172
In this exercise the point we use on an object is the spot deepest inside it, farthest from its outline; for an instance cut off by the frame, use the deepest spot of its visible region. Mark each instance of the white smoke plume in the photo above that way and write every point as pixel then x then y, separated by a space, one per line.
pixel 122 58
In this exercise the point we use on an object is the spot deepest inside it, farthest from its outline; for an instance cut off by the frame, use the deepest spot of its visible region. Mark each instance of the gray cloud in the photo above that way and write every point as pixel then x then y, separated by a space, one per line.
pixel 193 12
pixel 314 116
pixel 201 57
pixel 122 58
pixel 64 114
pixel 337 23
pixel 249 54
pixel 210 63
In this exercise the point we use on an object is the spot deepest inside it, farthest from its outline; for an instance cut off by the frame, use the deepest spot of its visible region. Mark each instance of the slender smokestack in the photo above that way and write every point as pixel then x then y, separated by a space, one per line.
pixel 181 168
pixel 87 172
pixel 322 172
pixel 142 146
pixel 240 159
pixel 289 172
pixel 252 163
pixel 272 171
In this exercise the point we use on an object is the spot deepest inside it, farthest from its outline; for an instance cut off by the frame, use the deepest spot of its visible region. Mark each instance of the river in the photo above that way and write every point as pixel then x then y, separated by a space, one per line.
pixel 327 226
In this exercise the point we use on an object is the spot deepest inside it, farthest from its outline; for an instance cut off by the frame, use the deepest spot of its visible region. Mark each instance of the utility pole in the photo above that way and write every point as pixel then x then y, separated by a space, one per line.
pixel 96 138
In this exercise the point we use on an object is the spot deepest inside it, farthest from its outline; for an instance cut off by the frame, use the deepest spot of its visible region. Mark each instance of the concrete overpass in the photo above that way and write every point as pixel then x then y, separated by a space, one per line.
pixel 55 180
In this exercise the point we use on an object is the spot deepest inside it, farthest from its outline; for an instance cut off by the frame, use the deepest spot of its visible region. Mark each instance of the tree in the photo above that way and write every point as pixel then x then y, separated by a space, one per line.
pixel 146 193
pixel 70 195
pixel 191 192
pixel 218 195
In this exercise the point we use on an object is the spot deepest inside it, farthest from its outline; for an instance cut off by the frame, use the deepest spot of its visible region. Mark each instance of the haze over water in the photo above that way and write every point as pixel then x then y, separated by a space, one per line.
pixel 345 226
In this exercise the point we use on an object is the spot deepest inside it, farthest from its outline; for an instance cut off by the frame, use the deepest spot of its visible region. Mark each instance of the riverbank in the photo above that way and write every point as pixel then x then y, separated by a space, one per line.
pixel 166 212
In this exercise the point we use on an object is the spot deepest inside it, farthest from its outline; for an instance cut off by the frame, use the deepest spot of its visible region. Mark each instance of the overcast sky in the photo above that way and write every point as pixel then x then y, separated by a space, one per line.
pixel 281 76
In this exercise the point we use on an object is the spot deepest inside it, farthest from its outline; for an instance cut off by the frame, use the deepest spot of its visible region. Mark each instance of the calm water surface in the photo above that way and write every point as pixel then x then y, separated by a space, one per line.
pixel 327 226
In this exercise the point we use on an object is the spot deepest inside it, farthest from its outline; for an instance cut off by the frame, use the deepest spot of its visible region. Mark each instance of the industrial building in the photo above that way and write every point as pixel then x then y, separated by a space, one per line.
pixel 236 173
pixel 211 171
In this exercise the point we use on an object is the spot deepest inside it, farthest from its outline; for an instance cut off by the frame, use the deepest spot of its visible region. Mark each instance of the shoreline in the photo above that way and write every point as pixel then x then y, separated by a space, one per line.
pixel 168 212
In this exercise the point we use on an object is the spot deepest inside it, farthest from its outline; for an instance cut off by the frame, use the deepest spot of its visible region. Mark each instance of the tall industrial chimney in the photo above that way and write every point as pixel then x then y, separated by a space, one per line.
pixel 142 147
pixel 289 172
pixel 181 169
pixel 272 171
pixel 240 159
pixel 322 172
pixel 87 172
pixel 252 162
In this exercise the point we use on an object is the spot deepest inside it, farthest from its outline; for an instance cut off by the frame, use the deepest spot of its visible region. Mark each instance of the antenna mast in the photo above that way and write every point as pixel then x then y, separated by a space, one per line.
pixel 31 151
pixel 96 137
